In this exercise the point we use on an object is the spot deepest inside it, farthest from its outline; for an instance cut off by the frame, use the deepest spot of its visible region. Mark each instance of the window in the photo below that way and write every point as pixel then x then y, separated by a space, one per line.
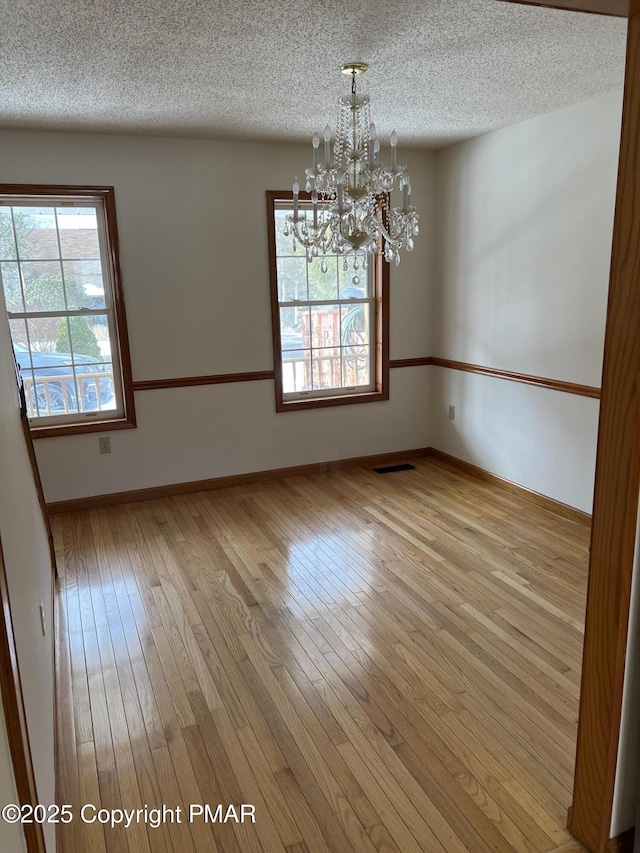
pixel 60 277
pixel 330 328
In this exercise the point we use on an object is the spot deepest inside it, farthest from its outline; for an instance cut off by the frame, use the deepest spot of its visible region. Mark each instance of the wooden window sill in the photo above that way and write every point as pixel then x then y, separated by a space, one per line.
pixel 77 429
pixel 322 402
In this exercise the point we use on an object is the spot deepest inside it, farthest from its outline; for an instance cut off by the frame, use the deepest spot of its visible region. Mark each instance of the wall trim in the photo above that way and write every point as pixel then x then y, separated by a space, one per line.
pixel 419 361
pixel 526 378
pixel 539 499
pixel 254 376
pixel 214 379
pixel 113 498
pixel 622 843
pixel 411 362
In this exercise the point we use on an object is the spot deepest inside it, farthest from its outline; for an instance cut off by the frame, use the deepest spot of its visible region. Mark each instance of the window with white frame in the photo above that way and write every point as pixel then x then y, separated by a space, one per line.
pixel 328 318
pixel 58 264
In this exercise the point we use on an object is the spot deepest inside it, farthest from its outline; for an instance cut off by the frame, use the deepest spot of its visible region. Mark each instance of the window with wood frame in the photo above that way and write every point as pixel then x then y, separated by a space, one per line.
pixel 330 320
pixel 61 282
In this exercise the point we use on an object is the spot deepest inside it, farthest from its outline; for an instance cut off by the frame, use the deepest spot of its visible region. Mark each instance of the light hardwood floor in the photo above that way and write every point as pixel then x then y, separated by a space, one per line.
pixel 375 662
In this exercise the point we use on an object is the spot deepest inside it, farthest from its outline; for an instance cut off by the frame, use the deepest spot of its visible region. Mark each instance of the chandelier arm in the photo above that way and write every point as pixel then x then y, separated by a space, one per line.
pixel 314 235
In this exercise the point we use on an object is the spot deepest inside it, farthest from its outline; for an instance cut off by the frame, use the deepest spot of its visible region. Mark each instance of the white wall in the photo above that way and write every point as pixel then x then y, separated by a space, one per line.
pixel 193 235
pixel 28 569
pixel 11 835
pixel 524 225
pixel 541 439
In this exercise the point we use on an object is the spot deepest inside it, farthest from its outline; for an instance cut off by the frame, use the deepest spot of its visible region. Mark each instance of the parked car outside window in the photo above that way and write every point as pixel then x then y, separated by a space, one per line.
pixel 49 396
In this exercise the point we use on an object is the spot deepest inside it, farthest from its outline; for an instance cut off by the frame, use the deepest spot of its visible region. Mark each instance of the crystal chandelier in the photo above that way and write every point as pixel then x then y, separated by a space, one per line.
pixel 350 212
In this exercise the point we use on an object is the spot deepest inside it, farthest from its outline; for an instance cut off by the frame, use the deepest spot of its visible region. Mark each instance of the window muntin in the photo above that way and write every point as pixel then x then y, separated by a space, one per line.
pixel 327 335
pixel 59 294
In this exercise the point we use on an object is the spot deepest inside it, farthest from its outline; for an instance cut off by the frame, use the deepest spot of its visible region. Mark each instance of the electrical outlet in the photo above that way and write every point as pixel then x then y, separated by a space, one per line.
pixel 452 413
pixel 105 444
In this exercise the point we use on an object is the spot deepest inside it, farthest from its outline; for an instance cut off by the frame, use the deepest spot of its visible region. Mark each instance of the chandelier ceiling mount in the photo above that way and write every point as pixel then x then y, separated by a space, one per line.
pixel 351 68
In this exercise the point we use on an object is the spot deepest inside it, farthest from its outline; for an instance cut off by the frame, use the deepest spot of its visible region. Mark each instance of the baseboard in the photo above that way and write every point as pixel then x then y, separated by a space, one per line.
pixel 558 507
pixel 115 498
pixel 622 843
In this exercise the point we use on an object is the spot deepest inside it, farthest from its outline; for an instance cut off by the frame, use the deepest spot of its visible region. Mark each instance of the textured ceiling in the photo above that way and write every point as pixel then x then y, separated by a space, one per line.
pixel 440 70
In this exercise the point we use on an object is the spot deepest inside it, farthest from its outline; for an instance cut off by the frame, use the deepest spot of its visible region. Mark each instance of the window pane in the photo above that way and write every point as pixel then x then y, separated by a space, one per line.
pixel 294 327
pixel 83 284
pixel 284 245
pixel 36 232
pixel 327 369
pixel 55 390
pixel 367 280
pixel 323 285
pixel 43 289
pixel 296 371
pixel 78 228
pixel 356 366
pixel 95 385
pixel 27 381
pixel 11 285
pixel 29 394
pixel 100 328
pixel 48 341
pixel 7 243
pixel 325 326
pixel 354 281
pixel 355 325
pixel 18 329
pixel 292 279
pixel 84 344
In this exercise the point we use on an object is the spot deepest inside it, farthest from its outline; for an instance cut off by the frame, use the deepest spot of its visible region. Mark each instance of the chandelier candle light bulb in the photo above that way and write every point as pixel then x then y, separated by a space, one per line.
pixel 351 188
pixel 327 146
pixel 371 143
pixel 406 196
pixel 296 192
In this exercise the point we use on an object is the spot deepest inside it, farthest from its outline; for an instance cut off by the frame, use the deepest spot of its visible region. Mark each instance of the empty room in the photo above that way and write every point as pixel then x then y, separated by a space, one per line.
pixel 320 432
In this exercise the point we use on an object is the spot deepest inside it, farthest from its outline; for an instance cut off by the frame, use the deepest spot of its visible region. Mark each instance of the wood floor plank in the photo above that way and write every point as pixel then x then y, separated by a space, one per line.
pixel 116 838
pixel 375 663
pixel 209 787
pixel 74 584
pixel 69 835
pixel 94 834
pixel 178 831
pixel 275 801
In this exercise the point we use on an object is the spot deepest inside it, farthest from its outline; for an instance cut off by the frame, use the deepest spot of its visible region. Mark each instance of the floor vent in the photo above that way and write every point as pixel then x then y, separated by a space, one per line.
pixel 390 469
